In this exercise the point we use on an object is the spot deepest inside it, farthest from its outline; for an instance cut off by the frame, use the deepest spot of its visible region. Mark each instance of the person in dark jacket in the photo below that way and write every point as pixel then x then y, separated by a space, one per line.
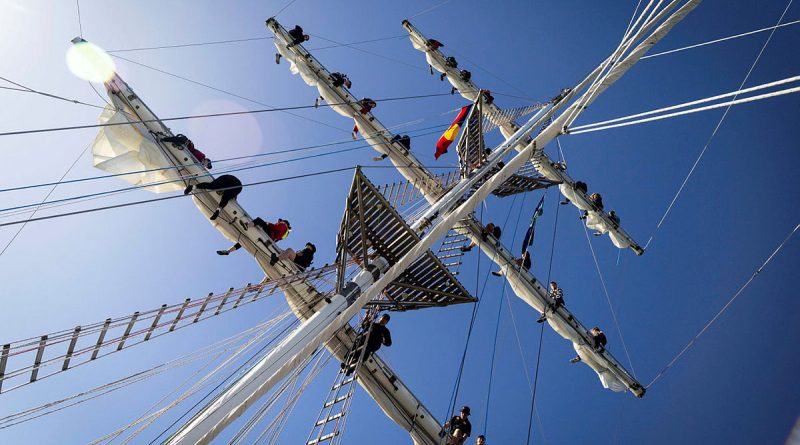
pixel 303 258
pixel 459 428
pixel 297 36
pixel 339 79
pixel 228 185
pixel 182 140
pixel 598 342
pixel 378 336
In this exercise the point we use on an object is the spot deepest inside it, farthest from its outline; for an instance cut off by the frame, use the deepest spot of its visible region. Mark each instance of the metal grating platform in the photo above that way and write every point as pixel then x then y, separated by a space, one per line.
pixel 371 227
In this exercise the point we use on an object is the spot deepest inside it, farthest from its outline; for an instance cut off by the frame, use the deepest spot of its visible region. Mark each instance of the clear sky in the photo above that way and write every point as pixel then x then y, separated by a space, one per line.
pixel 736 385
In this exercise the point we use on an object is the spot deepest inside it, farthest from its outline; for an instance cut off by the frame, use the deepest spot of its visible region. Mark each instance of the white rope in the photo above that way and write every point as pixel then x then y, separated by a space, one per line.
pixel 688 104
pixel 690 111
pixel 724 308
pixel 710 42
pixel 714 133
pixel 608 299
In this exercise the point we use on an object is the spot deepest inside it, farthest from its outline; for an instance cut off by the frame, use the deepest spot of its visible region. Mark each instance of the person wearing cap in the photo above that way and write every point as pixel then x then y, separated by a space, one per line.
pixel 459 427
pixel 302 258
pixel 480 440
pixel 276 232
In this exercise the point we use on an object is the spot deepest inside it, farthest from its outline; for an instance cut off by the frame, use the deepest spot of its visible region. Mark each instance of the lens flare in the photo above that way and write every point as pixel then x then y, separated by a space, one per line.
pixel 89 62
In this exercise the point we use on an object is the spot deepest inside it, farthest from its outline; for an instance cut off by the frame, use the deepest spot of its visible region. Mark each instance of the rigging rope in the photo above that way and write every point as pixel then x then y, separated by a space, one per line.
pixel 608 299
pixel 24 89
pixel 716 128
pixel 725 307
pixel 687 104
pixel 207 115
pixel 690 111
pixel 43 201
pixel 697 45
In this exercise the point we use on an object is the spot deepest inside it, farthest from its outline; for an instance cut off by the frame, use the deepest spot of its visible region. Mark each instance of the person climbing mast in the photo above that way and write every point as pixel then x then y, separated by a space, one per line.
pixel 228 185
pixel 275 232
pixel 181 140
pixel 557 297
pixel 297 36
pixel 458 428
pixel 598 342
pixel 377 335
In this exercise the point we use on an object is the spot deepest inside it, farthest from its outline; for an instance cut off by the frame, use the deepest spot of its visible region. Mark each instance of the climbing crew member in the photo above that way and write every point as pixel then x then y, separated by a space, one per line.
pixel 598 342
pixel 449 62
pixel 557 297
pixel 367 105
pixel 377 335
pixel 579 186
pixel 459 427
pixel 596 200
pixel 612 215
pixel 524 262
pixel 180 139
pixel 434 44
pixel 302 258
pixel 465 76
pixel 297 38
pixel 489 229
pixel 276 232
pixel 480 440
pixel 228 185
pixel 488 99
pixel 339 79
pixel 403 140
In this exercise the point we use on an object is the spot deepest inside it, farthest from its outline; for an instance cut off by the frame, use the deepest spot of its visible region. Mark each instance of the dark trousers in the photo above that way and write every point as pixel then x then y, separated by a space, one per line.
pixel 230 186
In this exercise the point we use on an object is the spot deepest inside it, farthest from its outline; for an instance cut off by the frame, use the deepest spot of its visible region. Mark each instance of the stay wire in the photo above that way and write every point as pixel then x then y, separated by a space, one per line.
pixel 725 307
pixel 716 128
pixel 230 376
pixel 164 198
pixel 497 323
pixel 207 115
pixel 44 200
pixel 541 328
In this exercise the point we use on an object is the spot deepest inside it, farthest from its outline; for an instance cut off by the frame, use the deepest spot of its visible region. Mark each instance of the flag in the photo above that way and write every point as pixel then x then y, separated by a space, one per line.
pixel 528 240
pixel 450 135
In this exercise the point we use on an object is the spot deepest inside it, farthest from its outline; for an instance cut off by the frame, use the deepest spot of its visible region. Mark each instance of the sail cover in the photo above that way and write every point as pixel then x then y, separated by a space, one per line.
pixel 121 148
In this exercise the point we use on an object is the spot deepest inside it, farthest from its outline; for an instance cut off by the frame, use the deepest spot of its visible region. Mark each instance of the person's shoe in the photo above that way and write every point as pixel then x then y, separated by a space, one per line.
pixel 598 234
pixel 497 273
pixel 453 90
pixel 430 67
pixel 223 252
pixel 277 58
pixel 442 76
pixel 466 248
pixel 378 158
pixel 316 103
pixel 575 359
pixel 541 319
pixel 353 135
pixel 564 202
pixel 188 189
pixel 215 215
pixel 273 259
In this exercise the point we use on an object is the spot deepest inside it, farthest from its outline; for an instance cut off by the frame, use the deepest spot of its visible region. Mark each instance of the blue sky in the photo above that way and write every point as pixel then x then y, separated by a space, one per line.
pixel 736 385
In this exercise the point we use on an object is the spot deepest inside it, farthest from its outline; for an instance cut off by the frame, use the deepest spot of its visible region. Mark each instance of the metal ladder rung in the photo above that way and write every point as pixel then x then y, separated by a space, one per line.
pixel 454 241
pixel 452 255
pixel 343 383
pixel 450 249
pixel 336 400
pixel 456 263
pixel 322 439
pixel 329 419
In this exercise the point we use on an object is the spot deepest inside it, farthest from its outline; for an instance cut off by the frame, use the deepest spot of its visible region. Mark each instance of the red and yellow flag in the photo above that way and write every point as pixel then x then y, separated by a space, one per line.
pixel 450 135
